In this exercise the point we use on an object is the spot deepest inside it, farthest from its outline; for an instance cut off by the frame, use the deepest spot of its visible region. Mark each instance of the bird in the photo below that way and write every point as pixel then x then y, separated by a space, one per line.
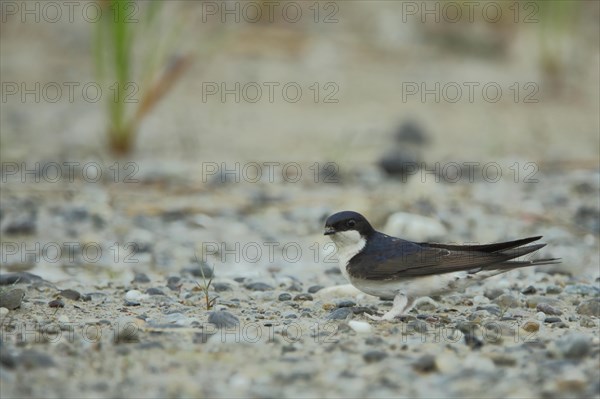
pixel 392 268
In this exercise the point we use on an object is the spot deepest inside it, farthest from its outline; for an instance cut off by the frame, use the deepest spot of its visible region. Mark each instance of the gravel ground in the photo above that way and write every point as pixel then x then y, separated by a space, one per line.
pixel 105 319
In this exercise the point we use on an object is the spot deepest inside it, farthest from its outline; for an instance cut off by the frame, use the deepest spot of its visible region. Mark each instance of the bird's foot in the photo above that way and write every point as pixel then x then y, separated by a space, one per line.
pixel 401 303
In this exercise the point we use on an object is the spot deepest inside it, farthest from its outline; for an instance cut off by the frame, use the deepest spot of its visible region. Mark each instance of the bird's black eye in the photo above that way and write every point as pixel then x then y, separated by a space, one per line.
pixel 351 223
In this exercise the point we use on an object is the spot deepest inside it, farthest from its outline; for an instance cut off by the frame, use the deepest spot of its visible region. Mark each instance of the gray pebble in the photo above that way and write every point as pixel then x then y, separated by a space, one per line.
pixel 154 291
pixel 196 270
pixel 24 223
pixel 314 289
pixel 220 287
pixel 574 346
pixel 582 289
pixel 290 316
pixel 12 299
pixel 553 289
pixel 590 307
pixel 71 294
pixel 425 364
pixel 285 297
pixel 18 278
pixel 339 314
pixel 374 356
pixel 533 300
pixel 303 297
pixel 552 320
pixel 529 290
pixel 548 309
pixel 31 359
pixel 491 309
pixel 223 319
pixel 472 341
pixel 174 283
pixel 258 286
pixel 346 304
pixel 507 301
pixel 140 278
pixel 333 271
pixel 493 293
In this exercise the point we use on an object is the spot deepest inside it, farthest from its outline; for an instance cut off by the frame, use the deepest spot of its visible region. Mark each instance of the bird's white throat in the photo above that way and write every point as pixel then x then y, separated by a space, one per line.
pixel 348 244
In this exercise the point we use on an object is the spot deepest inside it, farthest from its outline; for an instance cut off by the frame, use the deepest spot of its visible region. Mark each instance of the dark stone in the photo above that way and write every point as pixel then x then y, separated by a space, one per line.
pixel 529 290
pixel 552 320
pixel 314 289
pixel 339 314
pixel 333 271
pixel 472 341
pixel 258 286
pixel 411 133
pixel 223 319
pixel 303 297
pixel 70 294
pixel 196 270
pixel 400 162
pixel 548 309
pixel 374 356
pixel 18 278
pixel 154 291
pixel 141 278
pixel 346 304
pixel 590 307
pixel 174 283
pixel 285 297
pixel 24 224
pixel 220 287
pixel 425 364
pixel 57 303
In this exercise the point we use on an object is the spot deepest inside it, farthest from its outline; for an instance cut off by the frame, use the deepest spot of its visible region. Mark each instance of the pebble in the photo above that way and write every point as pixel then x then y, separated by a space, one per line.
pixel 533 300
pixel 70 294
pixel 134 296
pixel 548 309
pixel 472 341
pixel 196 270
pixel 574 346
pixel 284 297
pixel 360 326
pixel 340 314
pixel 529 290
pixel 24 223
pixel 56 303
pixel 374 356
pixel 507 301
pixel 425 364
pixel 590 307
pixel 141 278
pixel 493 293
pixel 154 291
pixel 303 297
pixel 346 304
pixel 3 313
pixel 582 289
pixel 258 286
pixel 18 278
pixel 12 299
pixel 541 316
pixel 223 319
pixel 174 283
pixel 314 289
pixel 31 358
pixel 553 319
pixel 333 271
pixel 553 289
pixel 221 287
pixel 587 322
pixel 531 326
pixel 127 332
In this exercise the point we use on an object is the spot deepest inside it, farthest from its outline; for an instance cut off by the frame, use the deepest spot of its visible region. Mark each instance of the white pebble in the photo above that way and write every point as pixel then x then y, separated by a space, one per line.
pixel 360 326
pixel 541 316
pixel 134 296
pixel 63 319
pixel 3 312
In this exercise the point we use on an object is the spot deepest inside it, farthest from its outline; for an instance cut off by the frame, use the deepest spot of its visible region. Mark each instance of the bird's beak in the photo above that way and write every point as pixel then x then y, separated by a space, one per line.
pixel 329 230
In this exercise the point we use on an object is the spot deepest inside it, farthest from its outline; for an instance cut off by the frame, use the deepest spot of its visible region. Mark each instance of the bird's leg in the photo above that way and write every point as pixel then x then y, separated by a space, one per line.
pixel 401 303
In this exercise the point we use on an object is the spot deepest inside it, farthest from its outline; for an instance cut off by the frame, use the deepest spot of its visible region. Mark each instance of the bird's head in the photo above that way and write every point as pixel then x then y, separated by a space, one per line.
pixel 347 226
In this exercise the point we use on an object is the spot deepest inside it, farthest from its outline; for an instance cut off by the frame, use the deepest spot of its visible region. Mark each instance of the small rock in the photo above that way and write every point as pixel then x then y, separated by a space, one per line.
pixel 553 289
pixel 196 270
pixel 3 313
pixel 507 301
pixel 303 297
pixel 587 322
pixel 425 364
pixel 70 294
pixel 340 314
pixel 57 303
pixel 533 300
pixel 174 283
pixel 223 319
pixel 553 319
pixel 258 286
pixel 574 346
pixel 284 297
pixel 548 309
pixel 400 162
pixel 333 271
pixel 141 278
pixel 346 304
pixel 12 299
pixel 493 293
pixel 472 341
pixel 154 291
pixel 360 326
pixel 529 290
pixel 127 332
pixel 134 296
pixel 374 356
pixel 32 359
pixel 18 278
pixel 531 326
pixel 314 289
pixel 220 287
pixel 582 289
pixel 22 224
pixel 491 309
pixel 590 307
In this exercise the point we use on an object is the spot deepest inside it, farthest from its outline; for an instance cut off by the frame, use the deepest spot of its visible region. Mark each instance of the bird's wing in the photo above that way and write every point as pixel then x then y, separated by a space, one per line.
pixel 391 259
